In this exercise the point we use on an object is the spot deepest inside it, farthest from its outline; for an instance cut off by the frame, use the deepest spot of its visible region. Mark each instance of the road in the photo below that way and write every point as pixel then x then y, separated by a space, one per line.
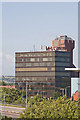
pixel 11 111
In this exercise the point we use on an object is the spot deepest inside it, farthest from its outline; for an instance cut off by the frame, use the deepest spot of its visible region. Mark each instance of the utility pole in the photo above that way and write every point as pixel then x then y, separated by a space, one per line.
pixel 4 104
pixel 62 89
pixel 66 90
pixel 26 89
pixel 26 93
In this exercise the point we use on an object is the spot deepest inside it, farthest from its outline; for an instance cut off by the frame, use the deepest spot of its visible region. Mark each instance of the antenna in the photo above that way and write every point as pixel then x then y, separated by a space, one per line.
pixel 34 47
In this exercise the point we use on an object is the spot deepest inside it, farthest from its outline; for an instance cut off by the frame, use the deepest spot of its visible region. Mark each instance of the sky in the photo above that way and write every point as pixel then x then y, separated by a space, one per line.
pixel 27 24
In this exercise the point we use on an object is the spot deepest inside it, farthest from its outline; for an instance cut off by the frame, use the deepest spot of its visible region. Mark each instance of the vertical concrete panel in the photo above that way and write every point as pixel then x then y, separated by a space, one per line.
pixel 78 34
pixel 74 85
pixel 79 42
pixel 78 84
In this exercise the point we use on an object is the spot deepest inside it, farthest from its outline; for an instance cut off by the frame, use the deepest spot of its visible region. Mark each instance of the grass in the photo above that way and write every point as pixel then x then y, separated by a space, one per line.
pixel 12 105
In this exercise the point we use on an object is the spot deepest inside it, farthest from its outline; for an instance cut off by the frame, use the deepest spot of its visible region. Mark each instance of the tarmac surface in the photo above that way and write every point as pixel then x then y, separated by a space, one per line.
pixel 11 111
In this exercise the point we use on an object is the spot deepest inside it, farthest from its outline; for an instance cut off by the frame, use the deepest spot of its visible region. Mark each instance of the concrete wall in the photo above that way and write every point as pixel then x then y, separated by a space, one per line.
pixel 75 85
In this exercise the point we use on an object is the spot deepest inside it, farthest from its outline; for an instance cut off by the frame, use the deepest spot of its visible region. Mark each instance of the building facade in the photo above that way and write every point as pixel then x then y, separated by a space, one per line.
pixel 44 71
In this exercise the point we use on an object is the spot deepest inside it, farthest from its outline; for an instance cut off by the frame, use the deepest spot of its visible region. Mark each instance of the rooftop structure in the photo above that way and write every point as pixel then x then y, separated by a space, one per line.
pixel 64 43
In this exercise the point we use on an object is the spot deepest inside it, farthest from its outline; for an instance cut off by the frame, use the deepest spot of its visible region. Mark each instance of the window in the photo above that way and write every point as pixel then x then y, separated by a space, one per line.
pixel 45 59
pixel 62 74
pixel 49 68
pixel 49 78
pixel 63 59
pixel 41 59
pixel 36 59
pixel 50 59
pixel 32 59
pixel 28 64
pixel 67 54
pixel 62 64
pixel 20 55
pixel 22 59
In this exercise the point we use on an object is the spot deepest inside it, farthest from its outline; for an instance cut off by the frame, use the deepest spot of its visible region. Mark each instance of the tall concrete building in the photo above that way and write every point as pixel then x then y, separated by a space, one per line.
pixel 45 70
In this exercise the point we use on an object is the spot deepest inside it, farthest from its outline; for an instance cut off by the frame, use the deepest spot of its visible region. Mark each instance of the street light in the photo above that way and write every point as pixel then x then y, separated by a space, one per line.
pixel 62 89
pixel 66 90
pixel 26 93
pixel 26 89
pixel 4 104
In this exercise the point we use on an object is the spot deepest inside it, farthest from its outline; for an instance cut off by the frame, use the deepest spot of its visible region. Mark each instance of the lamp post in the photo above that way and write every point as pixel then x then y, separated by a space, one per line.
pixel 62 89
pixel 26 93
pixel 4 104
pixel 26 89
pixel 66 90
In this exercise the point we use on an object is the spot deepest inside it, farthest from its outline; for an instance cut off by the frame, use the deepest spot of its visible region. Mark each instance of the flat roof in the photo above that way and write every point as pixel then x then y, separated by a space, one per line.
pixel 21 52
pixel 72 69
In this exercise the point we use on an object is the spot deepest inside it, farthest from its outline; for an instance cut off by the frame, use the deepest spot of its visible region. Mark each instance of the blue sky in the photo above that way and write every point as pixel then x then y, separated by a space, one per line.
pixel 26 24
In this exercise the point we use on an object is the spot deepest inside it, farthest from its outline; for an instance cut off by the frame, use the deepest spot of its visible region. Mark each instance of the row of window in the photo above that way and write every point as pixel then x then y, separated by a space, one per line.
pixel 34 78
pixel 35 64
pixel 62 54
pixel 35 54
pixel 56 69
pixel 47 53
pixel 63 84
pixel 42 64
pixel 34 83
pixel 62 73
pixel 62 79
pixel 33 74
pixel 34 93
pixel 42 83
pixel 62 64
pixel 61 59
pixel 41 88
pixel 33 59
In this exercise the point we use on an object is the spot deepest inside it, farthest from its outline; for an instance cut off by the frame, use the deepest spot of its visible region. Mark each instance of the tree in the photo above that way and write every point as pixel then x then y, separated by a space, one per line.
pixel 3 83
pixel 14 96
pixel 60 108
pixel 56 94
